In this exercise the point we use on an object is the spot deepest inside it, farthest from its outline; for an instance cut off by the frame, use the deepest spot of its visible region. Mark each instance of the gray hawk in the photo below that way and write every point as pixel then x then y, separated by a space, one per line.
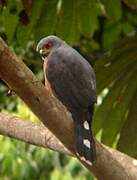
pixel 70 78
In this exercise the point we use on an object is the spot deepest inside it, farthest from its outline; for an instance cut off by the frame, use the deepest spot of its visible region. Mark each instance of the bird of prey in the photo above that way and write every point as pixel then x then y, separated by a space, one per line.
pixel 70 78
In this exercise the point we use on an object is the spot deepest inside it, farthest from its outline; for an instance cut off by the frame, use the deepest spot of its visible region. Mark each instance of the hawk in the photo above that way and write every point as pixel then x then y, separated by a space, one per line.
pixel 70 78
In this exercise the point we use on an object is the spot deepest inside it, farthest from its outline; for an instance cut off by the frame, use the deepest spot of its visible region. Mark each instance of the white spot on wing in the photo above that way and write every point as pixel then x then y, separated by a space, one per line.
pixel 86 125
pixel 93 85
pixel 134 162
pixel 86 142
pixel 83 159
pixel 88 162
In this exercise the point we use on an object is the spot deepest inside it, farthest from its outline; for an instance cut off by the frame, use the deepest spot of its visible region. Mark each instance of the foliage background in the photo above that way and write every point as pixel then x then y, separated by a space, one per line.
pixel 104 32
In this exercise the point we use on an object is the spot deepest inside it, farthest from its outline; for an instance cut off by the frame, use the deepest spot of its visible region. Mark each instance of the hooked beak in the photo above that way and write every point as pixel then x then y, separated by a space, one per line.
pixel 44 53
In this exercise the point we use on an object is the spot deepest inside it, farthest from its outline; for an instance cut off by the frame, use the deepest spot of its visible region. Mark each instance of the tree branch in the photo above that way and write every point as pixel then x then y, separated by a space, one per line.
pixel 24 83
pixel 29 132
pixel 39 135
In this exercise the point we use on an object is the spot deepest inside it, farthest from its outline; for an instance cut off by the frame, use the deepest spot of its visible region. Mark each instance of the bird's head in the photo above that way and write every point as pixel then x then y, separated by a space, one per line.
pixel 47 44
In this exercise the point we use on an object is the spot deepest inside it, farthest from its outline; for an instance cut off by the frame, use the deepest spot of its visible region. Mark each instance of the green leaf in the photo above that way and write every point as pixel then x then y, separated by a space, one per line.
pixel 127 27
pixel 110 73
pixel 128 135
pixel 131 18
pixel 121 57
pixel 131 3
pixel 113 9
pixel 104 110
pixel 47 21
pixel 25 33
pixel 68 22
pixel 88 12
pixel 112 30
pixel 10 18
pixel 116 117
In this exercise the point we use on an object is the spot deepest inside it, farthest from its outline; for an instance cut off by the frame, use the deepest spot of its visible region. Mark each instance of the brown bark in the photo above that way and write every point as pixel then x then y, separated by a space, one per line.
pixel 29 132
pixel 39 135
pixel 55 117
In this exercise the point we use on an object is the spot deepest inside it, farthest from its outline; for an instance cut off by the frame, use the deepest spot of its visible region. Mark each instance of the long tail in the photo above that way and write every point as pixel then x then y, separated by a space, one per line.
pixel 85 145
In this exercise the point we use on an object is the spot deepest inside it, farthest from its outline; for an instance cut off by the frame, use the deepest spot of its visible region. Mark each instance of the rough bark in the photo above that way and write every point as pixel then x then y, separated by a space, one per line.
pixel 39 135
pixel 56 118
pixel 29 132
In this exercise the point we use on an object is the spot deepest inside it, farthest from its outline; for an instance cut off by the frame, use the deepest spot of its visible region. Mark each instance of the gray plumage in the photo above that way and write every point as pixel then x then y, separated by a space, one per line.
pixel 73 82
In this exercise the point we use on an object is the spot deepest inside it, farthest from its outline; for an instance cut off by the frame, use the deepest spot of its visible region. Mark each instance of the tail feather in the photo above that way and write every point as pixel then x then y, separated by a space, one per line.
pixel 85 145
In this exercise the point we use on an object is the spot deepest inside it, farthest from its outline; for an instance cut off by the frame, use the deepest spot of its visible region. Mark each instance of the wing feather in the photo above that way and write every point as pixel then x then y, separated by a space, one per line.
pixel 71 77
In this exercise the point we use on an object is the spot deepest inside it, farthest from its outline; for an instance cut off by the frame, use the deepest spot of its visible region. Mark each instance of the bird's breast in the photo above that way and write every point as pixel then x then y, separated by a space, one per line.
pixel 47 84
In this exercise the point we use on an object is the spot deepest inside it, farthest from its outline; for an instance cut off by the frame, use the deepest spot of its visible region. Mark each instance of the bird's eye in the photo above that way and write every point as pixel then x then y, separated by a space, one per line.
pixel 48 45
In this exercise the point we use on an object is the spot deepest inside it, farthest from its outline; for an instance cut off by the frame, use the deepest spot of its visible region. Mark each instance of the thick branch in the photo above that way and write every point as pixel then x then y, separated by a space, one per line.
pixel 39 135
pixel 24 83
pixel 29 132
